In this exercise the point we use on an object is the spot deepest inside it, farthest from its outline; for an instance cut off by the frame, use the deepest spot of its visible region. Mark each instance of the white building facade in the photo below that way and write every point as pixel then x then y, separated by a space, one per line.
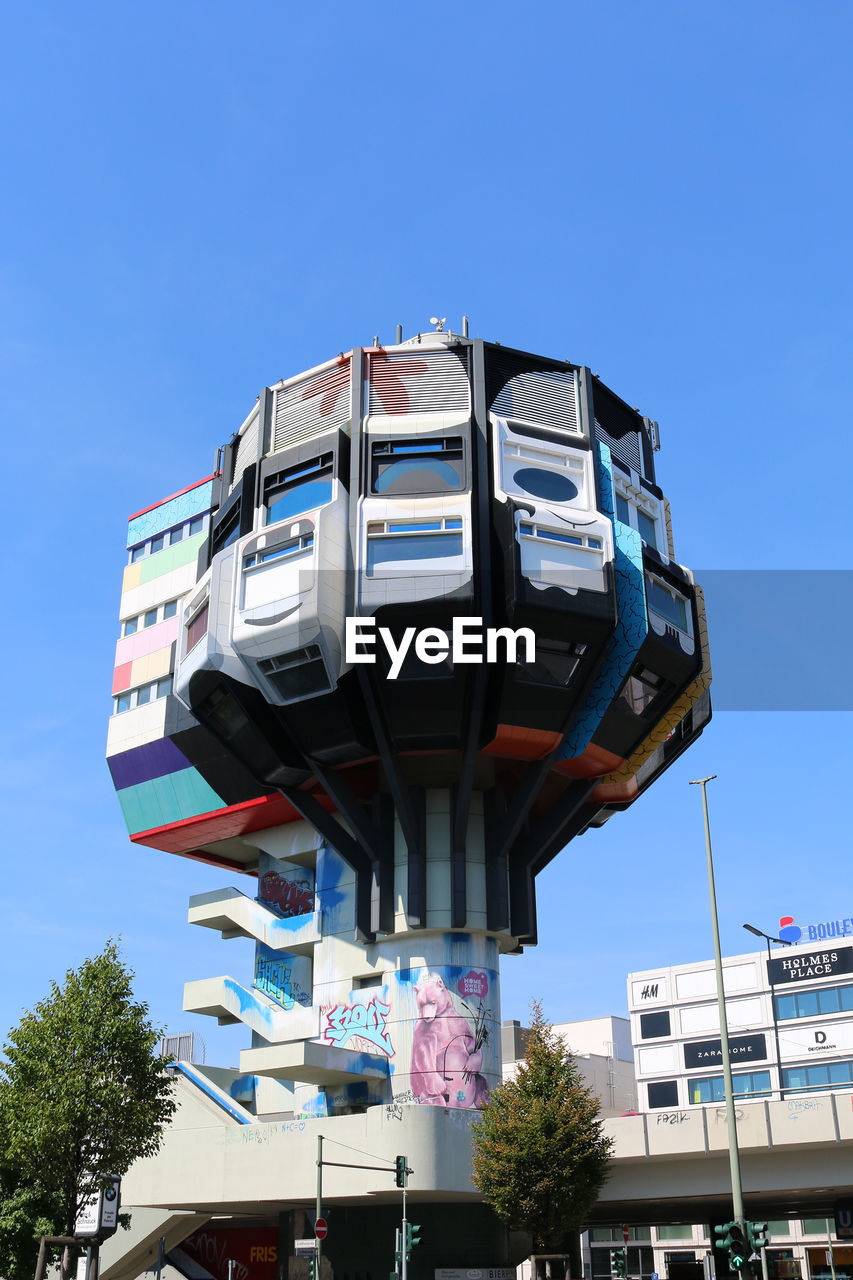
pixel 790 1023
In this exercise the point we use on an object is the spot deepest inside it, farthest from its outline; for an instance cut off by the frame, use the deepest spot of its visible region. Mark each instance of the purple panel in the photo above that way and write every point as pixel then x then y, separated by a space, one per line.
pixel 141 764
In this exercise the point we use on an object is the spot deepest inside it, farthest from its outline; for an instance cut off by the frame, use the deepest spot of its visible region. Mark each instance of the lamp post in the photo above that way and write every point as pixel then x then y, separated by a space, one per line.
pixel 731 1122
pixel 759 933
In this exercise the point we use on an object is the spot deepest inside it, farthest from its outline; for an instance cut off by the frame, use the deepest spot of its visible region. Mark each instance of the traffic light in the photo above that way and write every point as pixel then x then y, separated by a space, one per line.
pixel 757 1234
pixel 400 1171
pixel 413 1232
pixel 730 1237
pixel 398 1246
pixel 617 1262
pixel 312 1267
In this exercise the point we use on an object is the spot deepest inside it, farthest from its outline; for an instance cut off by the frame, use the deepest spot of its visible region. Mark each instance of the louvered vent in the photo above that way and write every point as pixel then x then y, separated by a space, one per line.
pixel 420 382
pixel 246 451
pixel 626 450
pixel 546 398
pixel 312 406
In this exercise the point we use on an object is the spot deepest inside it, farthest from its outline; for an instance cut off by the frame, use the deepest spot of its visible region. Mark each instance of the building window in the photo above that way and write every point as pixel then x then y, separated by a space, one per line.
pixel 416 466
pixel 143 694
pixel 170 609
pixel 555 476
pixel 666 602
pixel 653 1025
pixel 807 1004
pixel 298 674
pixel 815 1227
pixel 746 1084
pixel 298 489
pixel 290 548
pixel 779 1227
pixel 150 618
pixel 406 546
pixel 130 627
pixel 641 690
pixel 554 535
pixel 638 509
pixel 197 626
pixel 675 1231
pixel 829 1075
pixel 228 529
pixel 614 1232
pixel 664 1093
pixel 177 533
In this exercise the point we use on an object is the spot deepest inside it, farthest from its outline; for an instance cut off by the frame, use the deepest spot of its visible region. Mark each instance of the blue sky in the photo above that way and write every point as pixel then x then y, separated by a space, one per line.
pixel 200 198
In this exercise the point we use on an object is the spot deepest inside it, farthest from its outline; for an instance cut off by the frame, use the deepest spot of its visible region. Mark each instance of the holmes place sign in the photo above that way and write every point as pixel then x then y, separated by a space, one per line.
pixel 709 1053
pixel 809 965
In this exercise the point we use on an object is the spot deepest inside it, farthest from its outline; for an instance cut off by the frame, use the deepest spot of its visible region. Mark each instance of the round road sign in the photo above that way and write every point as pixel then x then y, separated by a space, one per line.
pixel 321 1228
pixel 625 1232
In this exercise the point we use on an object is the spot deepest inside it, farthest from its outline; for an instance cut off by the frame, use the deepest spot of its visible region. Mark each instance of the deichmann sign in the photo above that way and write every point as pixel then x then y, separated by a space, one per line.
pixel 432 645
pixel 810 965
pixel 705 1053
pixel 811 1042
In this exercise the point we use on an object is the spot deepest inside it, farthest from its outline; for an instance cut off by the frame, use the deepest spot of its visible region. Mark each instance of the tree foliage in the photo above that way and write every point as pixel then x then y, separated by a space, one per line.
pixel 82 1094
pixel 540 1158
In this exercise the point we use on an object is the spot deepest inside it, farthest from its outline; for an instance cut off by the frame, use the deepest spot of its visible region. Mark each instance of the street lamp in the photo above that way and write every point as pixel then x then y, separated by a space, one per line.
pixel 768 937
pixel 731 1123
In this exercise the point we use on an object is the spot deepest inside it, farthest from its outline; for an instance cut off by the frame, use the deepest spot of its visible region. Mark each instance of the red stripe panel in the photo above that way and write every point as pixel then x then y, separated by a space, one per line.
pixel 121 677
pixel 222 824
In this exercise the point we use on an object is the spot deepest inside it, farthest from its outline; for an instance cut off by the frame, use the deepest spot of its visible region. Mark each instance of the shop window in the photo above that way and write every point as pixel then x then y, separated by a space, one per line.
pixel 746 1084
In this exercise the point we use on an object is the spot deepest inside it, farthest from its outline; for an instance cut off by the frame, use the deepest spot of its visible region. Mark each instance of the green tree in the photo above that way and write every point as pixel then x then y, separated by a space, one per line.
pixel 540 1158
pixel 82 1094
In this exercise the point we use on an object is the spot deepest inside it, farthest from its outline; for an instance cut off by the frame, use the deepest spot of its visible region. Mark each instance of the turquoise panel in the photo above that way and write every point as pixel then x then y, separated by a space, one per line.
pixel 183 794
pixel 631 628
pixel 175 511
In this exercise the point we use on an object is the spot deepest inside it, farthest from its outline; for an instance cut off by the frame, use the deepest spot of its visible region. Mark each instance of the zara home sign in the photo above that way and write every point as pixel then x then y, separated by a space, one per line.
pixel 709 1053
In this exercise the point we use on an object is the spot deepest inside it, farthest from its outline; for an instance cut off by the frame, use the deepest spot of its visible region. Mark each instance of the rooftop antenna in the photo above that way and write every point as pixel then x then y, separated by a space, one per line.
pixel 464 326
pixel 439 323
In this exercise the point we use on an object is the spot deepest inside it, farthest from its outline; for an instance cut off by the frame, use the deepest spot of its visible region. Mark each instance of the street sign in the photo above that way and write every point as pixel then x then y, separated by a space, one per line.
pixel 844 1222
pixel 99 1215
pixel 625 1232
pixel 321 1228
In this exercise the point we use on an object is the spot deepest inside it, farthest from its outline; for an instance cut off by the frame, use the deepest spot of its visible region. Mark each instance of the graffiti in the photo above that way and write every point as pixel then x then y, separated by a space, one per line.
pixel 796 1109
pixel 365 1021
pixel 289 897
pixel 673 1117
pixel 447 1052
pixel 273 978
pixel 211 1250
pixel 473 984
pixel 408 1096
pixel 394 1111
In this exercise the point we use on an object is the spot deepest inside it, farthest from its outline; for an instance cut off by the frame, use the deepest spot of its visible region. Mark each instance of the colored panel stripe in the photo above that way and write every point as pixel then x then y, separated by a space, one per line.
pixel 167 799
pixel 147 641
pixel 130 579
pixel 172 558
pixel 174 511
pixel 151 667
pixel 152 506
pixel 121 677
pixel 238 819
pixel 141 764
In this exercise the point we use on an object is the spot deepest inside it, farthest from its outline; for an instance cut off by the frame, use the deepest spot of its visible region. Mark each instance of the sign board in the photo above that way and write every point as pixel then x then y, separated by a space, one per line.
pixel 475 1273
pixel 810 1042
pixel 709 1053
pixel 305 1248
pixel 844 1222
pixel 98 1216
pixel 808 966
pixel 321 1228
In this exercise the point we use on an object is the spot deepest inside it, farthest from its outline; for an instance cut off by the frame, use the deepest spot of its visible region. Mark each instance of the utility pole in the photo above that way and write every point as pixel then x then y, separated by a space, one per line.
pixel 731 1122
pixel 318 1243
pixel 404 1263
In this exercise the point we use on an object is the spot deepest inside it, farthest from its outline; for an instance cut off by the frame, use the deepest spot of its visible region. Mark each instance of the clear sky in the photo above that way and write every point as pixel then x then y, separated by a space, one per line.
pixel 202 197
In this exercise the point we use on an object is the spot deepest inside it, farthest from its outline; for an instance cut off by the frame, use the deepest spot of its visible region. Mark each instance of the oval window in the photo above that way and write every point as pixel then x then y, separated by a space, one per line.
pixel 545 484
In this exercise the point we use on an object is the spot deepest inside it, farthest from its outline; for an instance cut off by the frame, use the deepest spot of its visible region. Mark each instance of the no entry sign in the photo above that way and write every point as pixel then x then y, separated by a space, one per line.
pixel 321 1228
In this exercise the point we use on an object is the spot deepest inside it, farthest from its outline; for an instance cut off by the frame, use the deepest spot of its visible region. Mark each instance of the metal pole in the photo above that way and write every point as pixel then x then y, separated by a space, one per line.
pixel 775 1028
pixel 404 1250
pixel 318 1244
pixel 161 1249
pixel 731 1122
pixel 830 1250
pixel 765 1274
